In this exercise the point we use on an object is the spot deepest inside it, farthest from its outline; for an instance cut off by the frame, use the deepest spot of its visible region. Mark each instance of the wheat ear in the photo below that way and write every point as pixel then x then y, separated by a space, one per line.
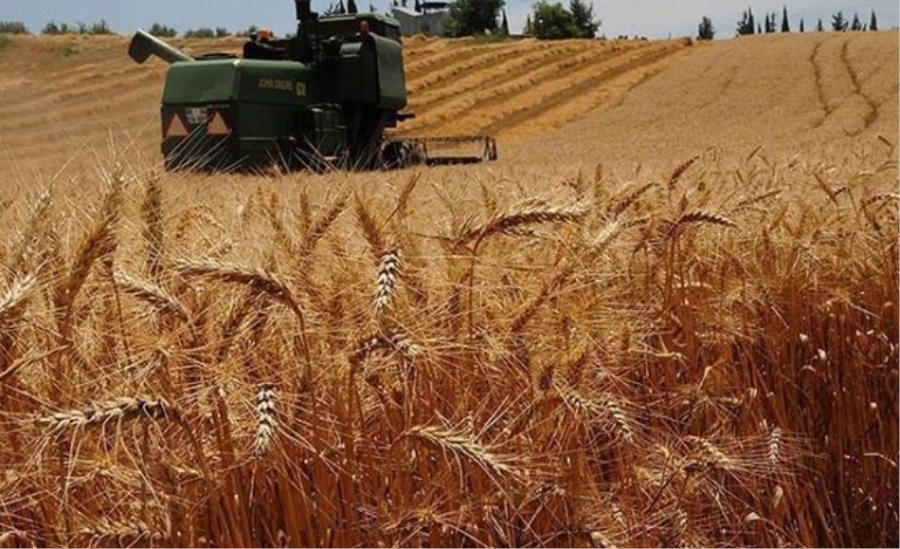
pixel 123 534
pixel 616 208
pixel 528 213
pixel 321 226
pixel 257 279
pixel 461 445
pixel 265 419
pixel 16 297
pixel 679 171
pixel 150 293
pixel 775 446
pixel 700 216
pixel 386 279
pixel 120 409
pixel 369 228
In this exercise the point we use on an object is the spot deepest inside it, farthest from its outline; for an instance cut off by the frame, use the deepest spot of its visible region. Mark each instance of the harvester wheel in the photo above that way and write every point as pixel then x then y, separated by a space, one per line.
pixel 400 154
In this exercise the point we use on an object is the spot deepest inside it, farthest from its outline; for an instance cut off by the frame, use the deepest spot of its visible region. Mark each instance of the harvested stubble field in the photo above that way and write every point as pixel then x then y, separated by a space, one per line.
pixel 672 321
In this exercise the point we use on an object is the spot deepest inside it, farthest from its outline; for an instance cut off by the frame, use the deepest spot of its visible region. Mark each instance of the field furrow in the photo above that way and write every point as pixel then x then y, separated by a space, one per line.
pixel 491 98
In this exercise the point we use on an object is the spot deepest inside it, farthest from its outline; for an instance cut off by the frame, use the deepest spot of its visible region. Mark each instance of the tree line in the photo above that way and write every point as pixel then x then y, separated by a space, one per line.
pixel 748 24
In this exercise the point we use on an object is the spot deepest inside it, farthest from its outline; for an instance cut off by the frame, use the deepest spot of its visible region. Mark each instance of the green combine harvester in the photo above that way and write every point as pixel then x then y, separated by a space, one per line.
pixel 319 100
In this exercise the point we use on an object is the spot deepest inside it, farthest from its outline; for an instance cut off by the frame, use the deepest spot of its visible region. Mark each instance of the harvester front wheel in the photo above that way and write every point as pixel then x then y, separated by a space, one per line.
pixel 400 154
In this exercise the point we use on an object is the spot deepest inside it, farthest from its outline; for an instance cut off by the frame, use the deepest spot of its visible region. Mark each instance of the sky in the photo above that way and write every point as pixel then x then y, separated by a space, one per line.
pixel 650 18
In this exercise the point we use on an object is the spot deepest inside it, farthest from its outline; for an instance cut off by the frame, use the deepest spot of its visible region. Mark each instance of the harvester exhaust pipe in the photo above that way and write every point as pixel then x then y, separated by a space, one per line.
pixel 143 45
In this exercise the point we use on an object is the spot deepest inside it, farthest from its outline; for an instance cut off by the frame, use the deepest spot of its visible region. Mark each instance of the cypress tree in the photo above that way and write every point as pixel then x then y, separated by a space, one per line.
pixel 504 25
pixel 785 25
pixel 351 6
pixel 802 29
pixel 838 22
pixel 819 26
pixel 705 30
pixel 856 25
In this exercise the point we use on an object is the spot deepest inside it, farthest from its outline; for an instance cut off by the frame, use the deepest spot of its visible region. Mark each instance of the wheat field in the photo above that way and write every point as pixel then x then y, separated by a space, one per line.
pixel 666 317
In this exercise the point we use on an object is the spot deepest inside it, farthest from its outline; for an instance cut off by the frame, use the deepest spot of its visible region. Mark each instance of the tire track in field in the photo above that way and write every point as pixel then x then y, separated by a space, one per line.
pixel 475 64
pixel 457 53
pixel 529 112
pixel 491 98
pixel 872 115
pixel 76 95
pixel 497 75
pixel 610 91
pixel 51 120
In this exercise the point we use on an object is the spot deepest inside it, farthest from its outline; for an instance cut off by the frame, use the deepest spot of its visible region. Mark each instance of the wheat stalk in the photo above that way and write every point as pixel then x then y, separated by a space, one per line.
pixel 151 211
pixel 119 409
pixel 265 419
pixel 386 279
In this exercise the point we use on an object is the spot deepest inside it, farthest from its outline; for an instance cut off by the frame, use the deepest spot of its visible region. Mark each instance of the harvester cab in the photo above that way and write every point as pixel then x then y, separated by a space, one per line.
pixel 322 98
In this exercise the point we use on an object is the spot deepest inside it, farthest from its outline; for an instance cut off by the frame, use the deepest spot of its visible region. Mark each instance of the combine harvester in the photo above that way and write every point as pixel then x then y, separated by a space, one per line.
pixel 320 100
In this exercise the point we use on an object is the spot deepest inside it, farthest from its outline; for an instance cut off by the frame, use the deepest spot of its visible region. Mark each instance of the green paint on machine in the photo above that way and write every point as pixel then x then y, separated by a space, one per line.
pixel 321 98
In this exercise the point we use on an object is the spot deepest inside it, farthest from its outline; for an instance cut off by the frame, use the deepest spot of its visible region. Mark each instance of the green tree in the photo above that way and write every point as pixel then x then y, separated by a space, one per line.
pixel 504 25
pixel 838 22
pixel 819 26
pixel 856 25
pixel 13 27
pixel 785 24
pixel 99 28
pixel 583 17
pixel 529 26
pixel 351 6
pixel 202 32
pixel 162 30
pixel 705 30
pixel 802 28
pixel 873 22
pixel 468 17
pixel 222 32
pixel 746 25
pixel 553 21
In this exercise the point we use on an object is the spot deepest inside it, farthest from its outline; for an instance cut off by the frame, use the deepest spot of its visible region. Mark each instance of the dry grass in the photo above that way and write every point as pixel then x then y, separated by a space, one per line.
pixel 700 350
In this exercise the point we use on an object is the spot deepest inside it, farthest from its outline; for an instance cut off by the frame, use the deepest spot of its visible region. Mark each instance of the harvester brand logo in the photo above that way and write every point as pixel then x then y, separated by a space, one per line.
pixel 217 125
pixel 176 128
pixel 301 89
pixel 276 84
pixel 196 115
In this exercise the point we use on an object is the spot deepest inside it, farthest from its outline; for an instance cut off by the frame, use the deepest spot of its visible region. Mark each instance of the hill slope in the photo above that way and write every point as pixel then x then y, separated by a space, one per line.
pixel 62 95
pixel 823 94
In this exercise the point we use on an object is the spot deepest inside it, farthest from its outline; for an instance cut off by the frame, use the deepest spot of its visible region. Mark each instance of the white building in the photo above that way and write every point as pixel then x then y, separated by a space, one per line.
pixel 414 22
